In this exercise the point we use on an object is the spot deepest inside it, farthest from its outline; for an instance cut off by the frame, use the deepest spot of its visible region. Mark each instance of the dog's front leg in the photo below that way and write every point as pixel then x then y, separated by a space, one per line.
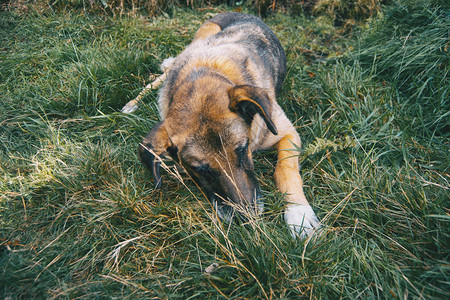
pixel 299 216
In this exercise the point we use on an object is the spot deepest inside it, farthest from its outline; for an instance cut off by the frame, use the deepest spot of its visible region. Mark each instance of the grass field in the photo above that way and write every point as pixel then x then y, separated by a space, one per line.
pixel 79 217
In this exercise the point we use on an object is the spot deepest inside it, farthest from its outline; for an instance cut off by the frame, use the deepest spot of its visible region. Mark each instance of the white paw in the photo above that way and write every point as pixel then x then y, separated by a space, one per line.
pixel 129 107
pixel 301 219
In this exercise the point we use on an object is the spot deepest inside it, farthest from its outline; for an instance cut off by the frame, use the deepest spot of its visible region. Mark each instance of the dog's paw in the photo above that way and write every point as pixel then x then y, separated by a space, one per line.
pixel 301 219
pixel 129 107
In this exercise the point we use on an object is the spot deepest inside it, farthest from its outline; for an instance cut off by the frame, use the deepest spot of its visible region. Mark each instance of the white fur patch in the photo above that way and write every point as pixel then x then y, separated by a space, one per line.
pixel 167 64
pixel 301 219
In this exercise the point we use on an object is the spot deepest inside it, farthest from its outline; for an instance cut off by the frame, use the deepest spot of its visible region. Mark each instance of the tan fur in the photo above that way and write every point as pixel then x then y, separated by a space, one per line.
pixel 206 30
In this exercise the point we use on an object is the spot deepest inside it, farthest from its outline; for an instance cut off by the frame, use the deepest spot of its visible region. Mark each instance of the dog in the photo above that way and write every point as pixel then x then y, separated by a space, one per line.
pixel 218 105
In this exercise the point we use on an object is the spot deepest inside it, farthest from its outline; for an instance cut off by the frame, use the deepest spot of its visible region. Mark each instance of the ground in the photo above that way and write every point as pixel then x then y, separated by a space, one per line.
pixel 79 217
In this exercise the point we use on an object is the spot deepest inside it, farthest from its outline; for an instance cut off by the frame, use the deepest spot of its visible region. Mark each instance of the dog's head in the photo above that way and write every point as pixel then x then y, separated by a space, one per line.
pixel 210 138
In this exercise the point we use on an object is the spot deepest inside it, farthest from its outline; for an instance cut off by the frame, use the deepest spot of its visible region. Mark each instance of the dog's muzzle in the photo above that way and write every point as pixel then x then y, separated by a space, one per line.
pixel 227 210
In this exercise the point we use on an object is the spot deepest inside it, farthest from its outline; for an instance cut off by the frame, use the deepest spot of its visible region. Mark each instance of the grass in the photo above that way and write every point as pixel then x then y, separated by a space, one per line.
pixel 79 217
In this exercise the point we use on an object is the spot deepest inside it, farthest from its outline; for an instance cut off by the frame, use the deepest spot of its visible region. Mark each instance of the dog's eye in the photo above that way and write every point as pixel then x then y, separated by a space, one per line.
pixel 205 171
pixel 243 159
pixel 202 168
pixel 242 150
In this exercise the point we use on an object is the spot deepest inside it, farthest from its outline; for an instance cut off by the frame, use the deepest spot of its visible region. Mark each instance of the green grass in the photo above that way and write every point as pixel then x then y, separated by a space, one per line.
pixel 79 217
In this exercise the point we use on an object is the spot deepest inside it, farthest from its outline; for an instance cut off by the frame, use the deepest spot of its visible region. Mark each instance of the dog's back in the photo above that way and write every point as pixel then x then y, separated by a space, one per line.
pixel 242 48
pixel 252 34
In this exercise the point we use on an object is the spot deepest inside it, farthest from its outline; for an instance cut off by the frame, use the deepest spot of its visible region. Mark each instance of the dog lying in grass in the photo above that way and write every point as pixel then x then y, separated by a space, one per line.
pixel 218 105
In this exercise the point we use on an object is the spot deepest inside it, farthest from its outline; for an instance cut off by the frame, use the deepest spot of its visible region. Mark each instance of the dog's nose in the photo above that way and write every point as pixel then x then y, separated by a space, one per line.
pixel 259 204
pixel 228 209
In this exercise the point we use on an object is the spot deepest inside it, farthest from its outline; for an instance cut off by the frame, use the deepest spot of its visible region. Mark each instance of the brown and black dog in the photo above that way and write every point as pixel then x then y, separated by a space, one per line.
pixel 218 105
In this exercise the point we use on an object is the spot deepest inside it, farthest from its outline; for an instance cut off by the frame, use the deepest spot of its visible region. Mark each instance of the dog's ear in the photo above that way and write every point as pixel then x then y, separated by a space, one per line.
pixel 155 144
pixel 249 100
